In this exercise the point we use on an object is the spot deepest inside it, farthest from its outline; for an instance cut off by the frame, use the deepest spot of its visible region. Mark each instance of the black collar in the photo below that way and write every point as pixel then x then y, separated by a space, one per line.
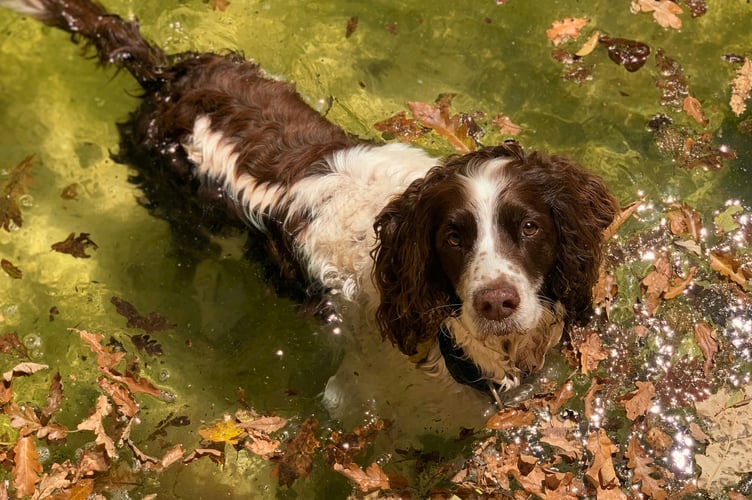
pixel 461 368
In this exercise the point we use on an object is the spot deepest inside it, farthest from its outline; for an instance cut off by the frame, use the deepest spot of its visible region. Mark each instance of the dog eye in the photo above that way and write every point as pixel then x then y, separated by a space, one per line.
pixel 454 240
pixel 529 229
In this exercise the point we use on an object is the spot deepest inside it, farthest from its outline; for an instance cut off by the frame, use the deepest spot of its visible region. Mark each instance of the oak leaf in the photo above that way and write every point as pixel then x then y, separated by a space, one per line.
pixel 566 29
pixel 591 353
pixel 707 340
pixel 26 467
pixel 54 396
pixel 506 125
pixel 75 245
pixel 643 469
pixel 23 418
pixel 94 423
pixel 120 396
pixel 216 456
pixel 458 129
pixel 601 473
pixel 665 12
pixel 557 433
pixel 26 368
pixel 297 459
pixel 640 401
pixel 742 87
pixel 371 479
pixel 105 358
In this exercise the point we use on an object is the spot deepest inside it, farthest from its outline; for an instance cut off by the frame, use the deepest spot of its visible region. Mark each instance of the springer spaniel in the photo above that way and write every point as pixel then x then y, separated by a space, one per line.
pixel 471 265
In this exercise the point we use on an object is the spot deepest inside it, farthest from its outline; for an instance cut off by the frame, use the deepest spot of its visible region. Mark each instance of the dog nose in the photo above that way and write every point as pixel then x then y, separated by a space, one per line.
pixel 496 303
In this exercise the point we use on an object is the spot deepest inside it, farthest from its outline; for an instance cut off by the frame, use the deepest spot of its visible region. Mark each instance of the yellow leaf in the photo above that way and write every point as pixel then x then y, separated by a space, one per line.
pixel 226 431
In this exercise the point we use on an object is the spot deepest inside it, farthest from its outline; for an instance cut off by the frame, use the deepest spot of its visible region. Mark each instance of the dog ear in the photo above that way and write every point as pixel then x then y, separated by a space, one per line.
pixel 582 207
pixel 414 295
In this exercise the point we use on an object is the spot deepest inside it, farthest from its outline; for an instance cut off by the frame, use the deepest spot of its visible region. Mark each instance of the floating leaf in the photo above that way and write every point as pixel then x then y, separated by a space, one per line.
pixel 566 29
pixel 26 467
pixel 725 221
pixel 643 470
pixel 226 431
pixel 639 401
pixel 510 418
pixel 707 340
pixel 591 353
pixel 20 369
pixel 11 270
pixel 371 479
pixel 741 88
pixel 94 423
pixel 75 245
pixel 153 322
pixel 728 266
pixel 506 125
pixel 694 109
pixel 665 12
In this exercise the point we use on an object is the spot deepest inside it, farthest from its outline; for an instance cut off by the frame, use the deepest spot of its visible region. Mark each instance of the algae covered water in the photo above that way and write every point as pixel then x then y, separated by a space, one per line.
pixel 229 374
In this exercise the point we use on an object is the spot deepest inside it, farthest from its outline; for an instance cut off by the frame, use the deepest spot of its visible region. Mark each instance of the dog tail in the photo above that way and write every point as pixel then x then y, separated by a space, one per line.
pixel 117 41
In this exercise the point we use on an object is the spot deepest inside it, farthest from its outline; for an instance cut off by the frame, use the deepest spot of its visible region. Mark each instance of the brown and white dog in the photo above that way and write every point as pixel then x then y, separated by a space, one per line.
pixel 471 265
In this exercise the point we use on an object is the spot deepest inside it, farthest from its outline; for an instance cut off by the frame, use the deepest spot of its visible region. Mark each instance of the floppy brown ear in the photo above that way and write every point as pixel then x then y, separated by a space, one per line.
pixel 582 207
pixel 415 296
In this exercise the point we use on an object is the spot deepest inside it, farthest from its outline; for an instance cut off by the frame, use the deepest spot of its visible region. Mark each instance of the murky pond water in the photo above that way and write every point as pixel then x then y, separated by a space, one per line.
pixel 237 342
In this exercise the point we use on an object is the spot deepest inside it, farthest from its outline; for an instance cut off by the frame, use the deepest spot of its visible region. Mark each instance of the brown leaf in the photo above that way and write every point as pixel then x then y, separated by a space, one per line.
pixel 457 129
pixel 267 425
pixel 506 125
pixel 142 385
pixel 562 395
pixel 26 466
pixel 510 418
pixel 639 401
pixel 262 445
pixel 352 25
pixel 127 406
pixel 11 190
pixel 93 460
pixel 153 322
pixel 620 219
pixel 558 433
pixel 566 29
pixel 172 455
pixel 628 53
pixel 27 368
pixel 75 245
pixel 297 459
pixel 94 423
pixel 23 418
pixel 53 432
pixel 707 340
pixel 591 352
pixel 10 269
pixel 664 11
pixel 373 478
pixel 680 285
pixel 684 220
pixel 742 87
pixel 589 398
pixel 693 108
pixel 656 283
pixel 105 358
pixel 220 5
pixel 643 468
pixel 601 473
pixel 725 264
pixel 55 480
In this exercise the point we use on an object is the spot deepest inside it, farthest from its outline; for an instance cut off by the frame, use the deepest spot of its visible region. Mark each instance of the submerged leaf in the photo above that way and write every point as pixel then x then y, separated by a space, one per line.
pixel 741 88
pixel 20 180
pixel 566 29
pixel 75 245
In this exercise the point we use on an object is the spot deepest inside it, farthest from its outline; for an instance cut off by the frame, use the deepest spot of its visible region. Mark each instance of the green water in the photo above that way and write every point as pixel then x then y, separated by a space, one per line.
pixel 233 331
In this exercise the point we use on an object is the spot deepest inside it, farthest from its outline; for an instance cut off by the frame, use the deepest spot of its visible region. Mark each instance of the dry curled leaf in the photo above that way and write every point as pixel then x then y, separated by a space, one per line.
pixel 601 473
pixel 26 368
pixel 639 402
pixel 459 129
pixel 11 270
pixel 643 470
pixel 590 45
pixel 26 467
pixel 510 418
pixel 297 459
pixel 566 29
pixel 371 479
pixel 693 108
pixel 506 125
pixel 741 88
pixel 665 12
pixel 94 423
pixel 591 352
pixel 728 266
pixel 707 340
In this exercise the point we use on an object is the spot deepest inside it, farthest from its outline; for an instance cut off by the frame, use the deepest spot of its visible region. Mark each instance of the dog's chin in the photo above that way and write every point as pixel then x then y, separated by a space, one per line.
pixel 516 324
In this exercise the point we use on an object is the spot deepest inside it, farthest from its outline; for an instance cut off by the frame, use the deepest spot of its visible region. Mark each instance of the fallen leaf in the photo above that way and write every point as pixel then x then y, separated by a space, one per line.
pixel 215 455
pixel 92 460
pixel 226 431
pixel 122 398
pixel 558 433
pixel 352 25
pixel 725 222
pixel 459 130
pixel 94 423
pixel 55 480
pixel 562 395
pixel 26 467
pixel 684 220
pixel 601 473
pixel 643 470
pixel 694 109
pixel 27 368
pixel 20 180
pixel 267 425
pixel 590 45
pixel 620 219
pixel 220 5
pixel 401 127
pixel 707 340
pixel 510 418
pixel 23 418
pixel 665 12
pixel 729 267
pixel 741 88
pixel 639 401
pixel 297 459
pixel 656 283
pixel 506 126
pixel 105 358
pixel 679 286
pixel 262 446
pixel 172 455
pixel 75 245
pixel 591 353
pixel 372 479
pixel 566 29
pixel 53 432
pixel 11 270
